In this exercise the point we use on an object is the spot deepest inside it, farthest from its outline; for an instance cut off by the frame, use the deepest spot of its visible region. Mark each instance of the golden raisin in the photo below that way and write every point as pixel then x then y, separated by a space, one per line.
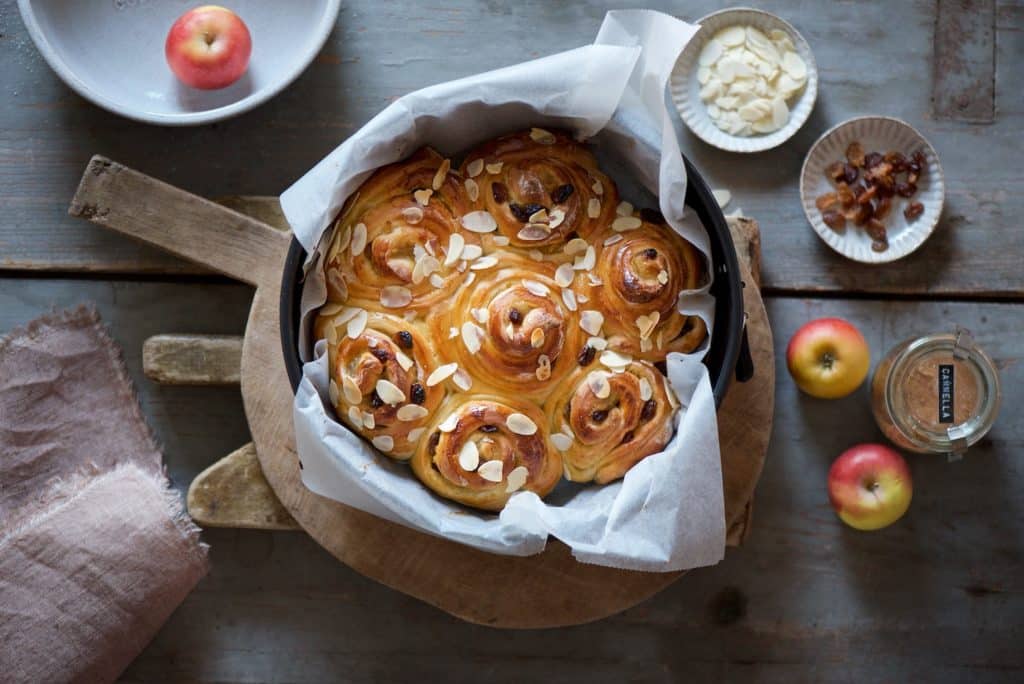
pixel 855 154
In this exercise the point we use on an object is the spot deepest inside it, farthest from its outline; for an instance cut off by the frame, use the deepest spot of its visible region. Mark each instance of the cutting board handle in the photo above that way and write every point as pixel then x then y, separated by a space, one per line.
pixel 144 208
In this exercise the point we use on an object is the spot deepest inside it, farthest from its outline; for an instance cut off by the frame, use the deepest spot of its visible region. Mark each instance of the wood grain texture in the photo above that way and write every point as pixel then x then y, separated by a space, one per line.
pixel 193 359
pixel 874 58
pixel 964 64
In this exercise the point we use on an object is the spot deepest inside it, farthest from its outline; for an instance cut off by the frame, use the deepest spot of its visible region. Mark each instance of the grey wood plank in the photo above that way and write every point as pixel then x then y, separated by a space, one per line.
pixel 873 58
pixel 964 64
pixel 938 597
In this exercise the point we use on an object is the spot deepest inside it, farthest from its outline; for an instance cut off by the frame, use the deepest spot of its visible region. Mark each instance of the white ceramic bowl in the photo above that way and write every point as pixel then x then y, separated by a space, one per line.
pixel 876 134
pixel 685 89
pixel 112 53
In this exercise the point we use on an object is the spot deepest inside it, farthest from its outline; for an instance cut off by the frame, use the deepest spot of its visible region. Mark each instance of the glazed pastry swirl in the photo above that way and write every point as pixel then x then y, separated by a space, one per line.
pixel 481 449
pixel 517 176
pixel 641 271
pixel 604 422
pixel 389 241
pixel 510 329
pixel 379 367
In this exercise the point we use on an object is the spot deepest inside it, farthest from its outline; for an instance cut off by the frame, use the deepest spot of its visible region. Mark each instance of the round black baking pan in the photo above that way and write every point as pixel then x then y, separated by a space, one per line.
pixel 728 355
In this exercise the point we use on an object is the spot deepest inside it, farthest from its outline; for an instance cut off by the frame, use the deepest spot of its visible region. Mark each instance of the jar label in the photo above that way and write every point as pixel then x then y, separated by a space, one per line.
pixel 946 392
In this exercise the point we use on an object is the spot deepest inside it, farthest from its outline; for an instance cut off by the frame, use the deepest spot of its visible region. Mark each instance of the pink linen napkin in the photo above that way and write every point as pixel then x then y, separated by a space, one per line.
pixel 95 550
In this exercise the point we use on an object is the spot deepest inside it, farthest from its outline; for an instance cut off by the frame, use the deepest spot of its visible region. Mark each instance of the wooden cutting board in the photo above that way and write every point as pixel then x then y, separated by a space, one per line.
pixel 546 590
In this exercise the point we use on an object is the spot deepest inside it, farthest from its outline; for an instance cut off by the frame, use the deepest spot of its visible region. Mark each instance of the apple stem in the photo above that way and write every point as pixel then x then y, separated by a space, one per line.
pixel 827 360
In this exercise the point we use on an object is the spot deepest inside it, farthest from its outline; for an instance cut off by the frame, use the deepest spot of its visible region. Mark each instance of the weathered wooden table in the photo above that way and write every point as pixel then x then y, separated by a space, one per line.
pixel 937 597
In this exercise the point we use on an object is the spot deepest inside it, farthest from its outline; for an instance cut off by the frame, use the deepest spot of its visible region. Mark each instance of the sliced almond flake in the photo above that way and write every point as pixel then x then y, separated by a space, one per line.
pixel 594 207
pixel 608 242
pixel 520 424
pixel 624 209
pixel 461 268
pixel 332 308
pixel 442 173
pixel 350 390
pixel 333 392
pixel 646 345
pixel 598 343
pixel 471 334
pixel 469 456
pixel 672 399
pixel 484 262
pixel 582 298
pixel 614 359
pixel 663 277
pixel 537 338
pixel 597 187
pixel 587 261
pixel 384 442
pixel 423 196
pixel 561 442
pixel 532 233
pixel 371 342
pixel 495 168
pixel 403 359
pixel 409 316
pixel 543 371
pixel 357 324
pixel 418 252
pixel 479 222
pixel 569 299
pixel 389 392
pixel 556 218
pixel 355 416
pixel 722 196
pixel 567 431
pixel 414 435
pixel 481 315
pixel 344 237
pixel 411 412
pixel 412 215
pixel 575 246
pixel 594 280
pixel 542 136
pixel 624 223
pixel 471 252
pixel 462 380
pixel 436 280
pixel 441 373
pixel 491 471
pixel 516 479
pixel 456 243
pixel 369 422
pixel 539 216
pixel 500 241
pixel 598 383
pixel 395 296
pixel 539 289
pixel 536 255
pixel 430 248
pixel 449 424
pixel 646 391
pixel 332 335
pixel 659 340
pixel 470 278
pixel 591 321
pixel 472 189
pixel 475 168
pixel 453 333
pixel 564 275
pixel 358 243
pixel 424 267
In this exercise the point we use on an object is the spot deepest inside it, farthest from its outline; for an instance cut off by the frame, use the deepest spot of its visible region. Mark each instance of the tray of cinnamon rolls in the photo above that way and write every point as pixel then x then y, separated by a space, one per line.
pixel 501 322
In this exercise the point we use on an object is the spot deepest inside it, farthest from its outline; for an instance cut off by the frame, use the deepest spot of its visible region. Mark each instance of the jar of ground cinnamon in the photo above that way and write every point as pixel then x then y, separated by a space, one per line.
pixel 936 394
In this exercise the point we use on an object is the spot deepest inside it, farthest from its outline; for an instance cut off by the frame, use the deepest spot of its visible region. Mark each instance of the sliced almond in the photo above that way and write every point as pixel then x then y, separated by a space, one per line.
pixel 500 241
pixel 484 262
pixel 624 223
pixel 471 334
pixel 395 296
pixel 582 298
pixel 591 321
pixel 369 422
pixel 441 373
pixel 449 424
pixel 594 207
pixel 575 246
pixel 480 314
pixel 332 335
pixel 598 343
pixel 537 338
pixel 516 479
pixel 414 435
pixel 355 416
pixel 495 168
pixel 542 136
pixel 536 255
pixel 357 324
pixel 412 215
pixel 543 371
pixel 539 289
pixel 342 241
pixel 587 261
pixel 350 390
pixel 389 392
pixel 491 471
pixel 332 308
pixel 424 267
pixel 472 189
pixel 423 196
pixel 614 359
pixel 470 278
pixel 609 241
pixel 358 243
pixel 597 187
pixel 594 280
pixel 411 412
pixel 539 216
pixel 479 222
pixel 532 233
pixel 403 360
pixel 561 442
pixel 456 243
pixel 436 280
pixel 646 345
pixel 409 316
pixel 475 168
pixel 556 217
pixel 469 456
pixel 462 380
pixel 564 274
pixel 646 391
pixel 384 442
pixel 569 299
pixel 663 277
pixel 442 173
pixel 598 383
pixel 624 209
pixel 520 424
pixel 453 333
pixel 333 392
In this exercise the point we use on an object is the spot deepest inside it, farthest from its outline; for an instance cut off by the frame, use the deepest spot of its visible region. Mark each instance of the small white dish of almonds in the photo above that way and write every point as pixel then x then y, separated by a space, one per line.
pixel 746 82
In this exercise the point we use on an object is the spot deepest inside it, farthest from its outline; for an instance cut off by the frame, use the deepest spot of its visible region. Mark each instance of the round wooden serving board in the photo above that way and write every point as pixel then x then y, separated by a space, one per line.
pixel 547 590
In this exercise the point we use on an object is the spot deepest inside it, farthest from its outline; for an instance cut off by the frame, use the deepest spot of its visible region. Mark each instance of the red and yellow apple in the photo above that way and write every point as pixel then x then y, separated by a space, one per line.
pixel 828 358
pixel 208 47
pixel 869 486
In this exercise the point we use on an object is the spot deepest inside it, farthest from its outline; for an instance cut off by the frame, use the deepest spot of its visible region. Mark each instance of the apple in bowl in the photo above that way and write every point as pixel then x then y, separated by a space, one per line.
pixel 208 47
pixel 869 486
pixel 828 358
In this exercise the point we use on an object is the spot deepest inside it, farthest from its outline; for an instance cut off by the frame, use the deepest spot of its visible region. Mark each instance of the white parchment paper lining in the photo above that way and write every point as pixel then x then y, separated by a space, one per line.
pixel 667 513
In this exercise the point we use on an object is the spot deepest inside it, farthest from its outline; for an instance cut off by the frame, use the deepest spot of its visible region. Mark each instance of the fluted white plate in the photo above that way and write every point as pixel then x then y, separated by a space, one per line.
pixel 685 89
pixel 876 134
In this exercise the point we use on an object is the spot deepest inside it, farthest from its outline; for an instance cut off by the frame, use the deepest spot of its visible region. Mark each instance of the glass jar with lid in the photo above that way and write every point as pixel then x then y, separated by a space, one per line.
pixel 936 394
